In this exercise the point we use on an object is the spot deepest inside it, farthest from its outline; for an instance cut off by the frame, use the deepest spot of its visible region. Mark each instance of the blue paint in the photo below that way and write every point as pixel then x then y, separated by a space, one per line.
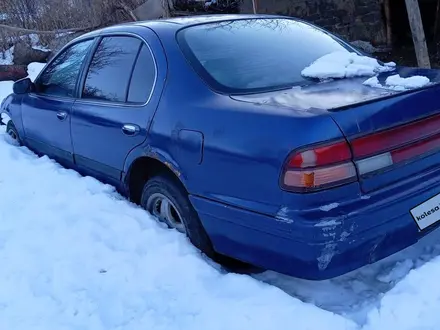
pixel 230 149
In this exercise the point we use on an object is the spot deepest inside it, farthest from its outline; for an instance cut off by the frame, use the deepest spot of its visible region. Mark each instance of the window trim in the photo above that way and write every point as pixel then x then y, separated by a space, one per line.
pixel 112 103
pixel 75 90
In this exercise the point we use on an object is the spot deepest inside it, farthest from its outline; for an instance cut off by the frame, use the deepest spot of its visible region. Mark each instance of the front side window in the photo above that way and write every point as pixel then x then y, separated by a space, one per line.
pixel 60 77
pixel 250 55
pixel 109 73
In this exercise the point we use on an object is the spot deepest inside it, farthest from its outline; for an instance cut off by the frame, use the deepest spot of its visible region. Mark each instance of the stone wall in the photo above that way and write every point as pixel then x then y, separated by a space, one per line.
pixel 351 19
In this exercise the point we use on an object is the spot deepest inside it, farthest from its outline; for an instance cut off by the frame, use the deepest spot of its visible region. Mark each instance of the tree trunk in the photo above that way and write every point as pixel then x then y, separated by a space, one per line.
pixel 418 34
pixel 437 16
pixel 386 5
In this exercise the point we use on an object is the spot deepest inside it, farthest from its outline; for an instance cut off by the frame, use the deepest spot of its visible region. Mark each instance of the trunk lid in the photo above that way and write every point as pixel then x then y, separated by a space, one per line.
pixel 360 111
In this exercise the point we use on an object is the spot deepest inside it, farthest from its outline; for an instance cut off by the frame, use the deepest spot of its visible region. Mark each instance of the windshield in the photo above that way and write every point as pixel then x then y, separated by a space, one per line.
pixel 243 56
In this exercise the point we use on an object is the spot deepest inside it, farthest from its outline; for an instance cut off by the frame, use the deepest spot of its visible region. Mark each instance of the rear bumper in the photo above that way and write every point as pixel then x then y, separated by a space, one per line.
pixel 356 233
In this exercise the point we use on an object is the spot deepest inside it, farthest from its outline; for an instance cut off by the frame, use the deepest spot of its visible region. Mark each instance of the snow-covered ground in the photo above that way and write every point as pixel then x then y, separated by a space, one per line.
pixel 7 57
pixel 76 255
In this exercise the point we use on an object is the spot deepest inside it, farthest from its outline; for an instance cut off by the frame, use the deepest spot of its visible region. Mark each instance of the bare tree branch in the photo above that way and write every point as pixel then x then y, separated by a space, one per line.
pixel 128 11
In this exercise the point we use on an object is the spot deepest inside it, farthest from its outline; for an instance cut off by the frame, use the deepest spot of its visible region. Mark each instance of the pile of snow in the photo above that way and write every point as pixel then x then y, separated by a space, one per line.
pixel 396 82
pixel 345 65
pixel 412 304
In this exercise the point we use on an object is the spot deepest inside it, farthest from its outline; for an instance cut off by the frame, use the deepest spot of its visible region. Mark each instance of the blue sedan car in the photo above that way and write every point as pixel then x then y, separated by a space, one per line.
pixel 181 116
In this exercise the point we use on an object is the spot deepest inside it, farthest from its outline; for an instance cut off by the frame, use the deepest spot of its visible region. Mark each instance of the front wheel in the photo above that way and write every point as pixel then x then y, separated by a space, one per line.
pixel 168 201
pixel 12 134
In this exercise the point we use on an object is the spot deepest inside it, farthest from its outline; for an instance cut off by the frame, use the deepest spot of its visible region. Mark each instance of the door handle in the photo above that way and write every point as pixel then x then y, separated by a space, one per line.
pixel 61 115
pixel 130 129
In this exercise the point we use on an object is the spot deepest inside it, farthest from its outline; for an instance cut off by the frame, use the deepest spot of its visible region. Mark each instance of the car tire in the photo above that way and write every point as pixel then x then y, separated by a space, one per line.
pixel 164 186
pixel 12 133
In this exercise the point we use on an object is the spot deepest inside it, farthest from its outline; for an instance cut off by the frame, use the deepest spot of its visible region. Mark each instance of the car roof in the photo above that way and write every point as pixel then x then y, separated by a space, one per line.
pixel 198 19
pixel 180 22
pixel 177 23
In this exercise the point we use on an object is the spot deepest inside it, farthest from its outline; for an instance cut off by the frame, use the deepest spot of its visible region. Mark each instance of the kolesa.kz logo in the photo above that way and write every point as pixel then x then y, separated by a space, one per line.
pixel 425 214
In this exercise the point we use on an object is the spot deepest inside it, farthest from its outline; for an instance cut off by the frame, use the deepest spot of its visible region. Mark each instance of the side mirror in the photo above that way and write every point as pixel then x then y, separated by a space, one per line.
pixel 22 86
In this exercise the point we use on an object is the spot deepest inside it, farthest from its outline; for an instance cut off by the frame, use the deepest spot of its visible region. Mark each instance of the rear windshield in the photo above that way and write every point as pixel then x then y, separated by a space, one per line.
pixel 251 55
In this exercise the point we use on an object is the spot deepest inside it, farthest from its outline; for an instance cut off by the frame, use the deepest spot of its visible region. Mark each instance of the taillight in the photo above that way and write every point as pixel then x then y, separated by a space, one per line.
pixel 379 151
pixel 395 137
pixel 319 167
pixel 396 156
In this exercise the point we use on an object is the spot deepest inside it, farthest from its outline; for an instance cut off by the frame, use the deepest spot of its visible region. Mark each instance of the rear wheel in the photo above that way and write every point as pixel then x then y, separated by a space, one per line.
pixel 168 201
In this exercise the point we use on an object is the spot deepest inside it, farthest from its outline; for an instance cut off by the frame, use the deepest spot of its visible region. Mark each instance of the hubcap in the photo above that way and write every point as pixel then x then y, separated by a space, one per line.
pixel 163 208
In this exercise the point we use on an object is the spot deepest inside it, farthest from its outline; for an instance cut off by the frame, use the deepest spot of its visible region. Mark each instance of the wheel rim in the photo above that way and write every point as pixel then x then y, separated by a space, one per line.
pixel 164 209
pixel 13 135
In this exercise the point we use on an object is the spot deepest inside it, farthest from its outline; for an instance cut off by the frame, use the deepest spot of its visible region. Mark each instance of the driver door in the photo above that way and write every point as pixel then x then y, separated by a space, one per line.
pixel 46 111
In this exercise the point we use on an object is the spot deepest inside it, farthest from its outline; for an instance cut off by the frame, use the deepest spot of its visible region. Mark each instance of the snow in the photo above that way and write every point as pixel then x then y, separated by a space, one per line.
pixel 7 57
pixel 34 69
pixel 76 255
pixel 396 82
pixel 345 65
pixel 5 89
pixel 417 297
pixel 373 82
pixel 36 43
pixel 407 83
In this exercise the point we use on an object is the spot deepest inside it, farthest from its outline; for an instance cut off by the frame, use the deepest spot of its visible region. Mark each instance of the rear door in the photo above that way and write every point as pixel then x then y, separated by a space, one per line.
pixel 116 105
pixel 46 112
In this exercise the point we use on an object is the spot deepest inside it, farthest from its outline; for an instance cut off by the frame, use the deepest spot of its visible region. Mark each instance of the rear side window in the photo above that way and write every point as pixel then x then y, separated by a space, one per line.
pixel 108 77
pixel 143 78
pixel 60 77
pixel 249 55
